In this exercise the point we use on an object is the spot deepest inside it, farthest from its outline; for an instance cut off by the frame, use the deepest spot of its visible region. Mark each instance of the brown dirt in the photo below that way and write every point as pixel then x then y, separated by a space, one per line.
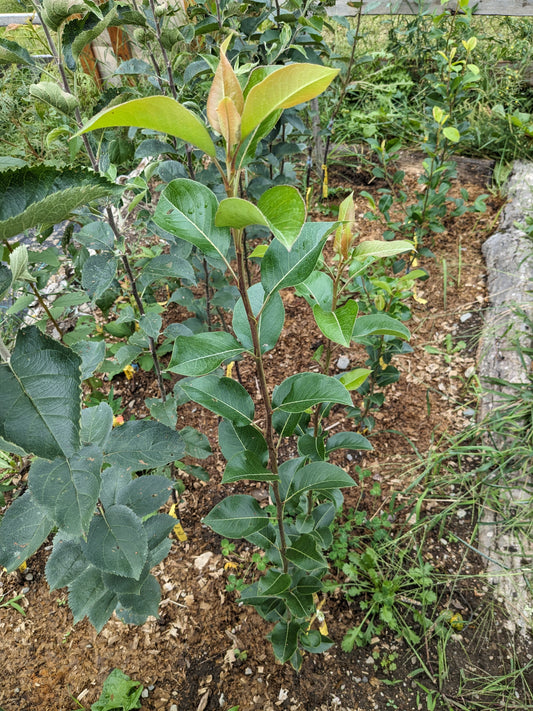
pixel 187 658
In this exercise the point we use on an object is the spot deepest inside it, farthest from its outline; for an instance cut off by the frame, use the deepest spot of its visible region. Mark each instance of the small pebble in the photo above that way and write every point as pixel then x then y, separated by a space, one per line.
pixel 151 687
pixel 369 660
pixel 25 590
pixel 173 708
pixel 469 412
pixel 248 671
pixel 144 693
pixel 365 680
pixel 28 576
pixel 343 362
pixel 465 317
pixel 349 457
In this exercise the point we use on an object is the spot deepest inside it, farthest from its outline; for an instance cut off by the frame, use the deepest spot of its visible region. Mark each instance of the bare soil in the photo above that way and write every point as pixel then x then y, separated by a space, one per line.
pixel 187 658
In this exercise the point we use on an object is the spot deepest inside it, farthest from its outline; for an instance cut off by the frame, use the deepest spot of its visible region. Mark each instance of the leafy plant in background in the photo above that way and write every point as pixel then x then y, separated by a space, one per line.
pixel 373 319
pixel 423 217
pixel 119 693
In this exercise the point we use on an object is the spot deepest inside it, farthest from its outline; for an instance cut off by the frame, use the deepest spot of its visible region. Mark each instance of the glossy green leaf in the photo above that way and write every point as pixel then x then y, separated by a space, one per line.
pixel 271 319
pixel 223 396
pixel 337 325
pixel 355 378
pixel 157 113
pixel 233 440
pixel 381 248
pixel 203 352
pixel 23 529
pixel 65 563
pixel 284 638
pixel 319 476
pixel 452 134
pixel 379 325
pixel 117 542
pixel 40 406
pixel 312 447
pixel 284 208
pixel 288 86
pixel 301 391
pixel 317 289
pixel 187 210
pixel 304 553
pixel 67 489
pixel 143 444
pixel 274 583
pixel 300 605
pixel 348 440
pixel 247 465
pixel 238 213
pixel 236 516
pixel 281 268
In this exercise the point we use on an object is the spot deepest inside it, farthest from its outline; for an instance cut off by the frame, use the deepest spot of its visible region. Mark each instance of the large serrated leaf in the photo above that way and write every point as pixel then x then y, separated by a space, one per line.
pixel 142 445
pixel 158 113
pixel 13 53
pixel 136 609
pixel 67 489
pixel 23 528
pixel 236 517
pixel 40 407
pixel 187 210
pixel 89 597
pixel 145 494
pixel 98 273
pixel 117 543
pixel 96 424
pixel 92 354
pixel 301 391
pixel 42 195
pixel 223 396
pixel 65 564
pixel 51 93
pixel 203 352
